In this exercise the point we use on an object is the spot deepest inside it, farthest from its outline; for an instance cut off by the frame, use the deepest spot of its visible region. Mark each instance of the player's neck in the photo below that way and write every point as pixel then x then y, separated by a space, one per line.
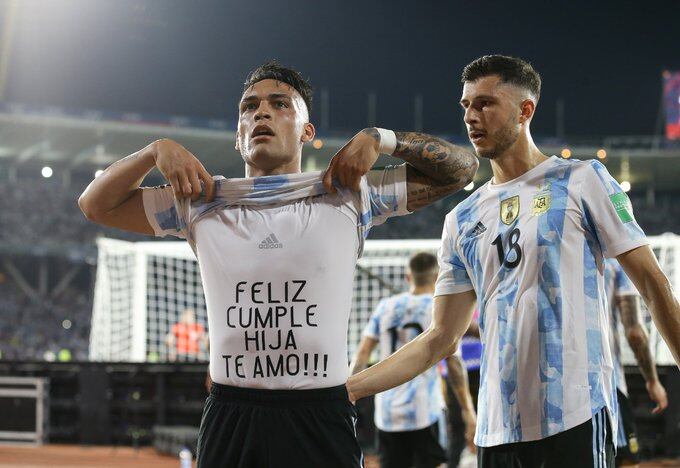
pixel 291 167
pixel 418 290
pixel 521 157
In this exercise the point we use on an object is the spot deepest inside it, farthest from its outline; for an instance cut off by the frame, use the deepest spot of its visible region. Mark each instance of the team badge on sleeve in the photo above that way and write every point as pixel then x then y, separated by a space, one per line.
pixel 622 206
pixel 509 209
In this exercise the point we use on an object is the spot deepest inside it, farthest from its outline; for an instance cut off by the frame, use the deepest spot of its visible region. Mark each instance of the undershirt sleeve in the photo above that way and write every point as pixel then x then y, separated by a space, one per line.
pixel 387 193
pixel 159 206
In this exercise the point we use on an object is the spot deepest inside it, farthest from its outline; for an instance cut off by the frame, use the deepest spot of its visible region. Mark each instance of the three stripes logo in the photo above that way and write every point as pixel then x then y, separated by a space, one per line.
pixel 271 242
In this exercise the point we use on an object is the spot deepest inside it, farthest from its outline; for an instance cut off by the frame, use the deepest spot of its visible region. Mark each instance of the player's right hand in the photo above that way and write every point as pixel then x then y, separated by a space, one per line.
pixel 183 171
pixel 658 395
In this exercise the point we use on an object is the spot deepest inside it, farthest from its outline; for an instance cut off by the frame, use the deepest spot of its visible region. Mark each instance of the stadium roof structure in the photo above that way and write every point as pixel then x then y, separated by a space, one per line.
pixel 83 141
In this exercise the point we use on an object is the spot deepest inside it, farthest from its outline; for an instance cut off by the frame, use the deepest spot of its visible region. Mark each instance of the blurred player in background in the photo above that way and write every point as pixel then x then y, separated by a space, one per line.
pixel 624 306
pixel 187 340
pixel 528 247
pixel 277 253
pixel 407 416
pixel 458 436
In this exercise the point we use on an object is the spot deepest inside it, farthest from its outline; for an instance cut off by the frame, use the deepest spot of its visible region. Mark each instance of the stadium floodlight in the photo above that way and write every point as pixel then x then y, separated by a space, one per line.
pixel 601 153
pixel 566 153
pixel 98 172
pixel 66 324
pixel 469 186
pixel 625 186
pixel 317 144
pixel 47 172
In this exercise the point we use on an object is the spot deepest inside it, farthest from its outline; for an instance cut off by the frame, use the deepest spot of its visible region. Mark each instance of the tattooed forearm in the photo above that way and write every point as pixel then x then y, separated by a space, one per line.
pixel 435 168
pixel 438 159
pixel 423 190
pixel 637 336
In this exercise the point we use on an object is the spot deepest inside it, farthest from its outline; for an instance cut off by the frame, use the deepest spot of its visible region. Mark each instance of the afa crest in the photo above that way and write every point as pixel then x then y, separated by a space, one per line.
pixel 510 209
pixel 541 204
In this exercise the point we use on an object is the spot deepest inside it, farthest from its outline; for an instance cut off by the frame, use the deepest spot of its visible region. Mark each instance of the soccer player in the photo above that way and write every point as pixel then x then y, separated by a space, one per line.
pixel 529 246
pixel 407 416
pixel 277 253
pixel 624 307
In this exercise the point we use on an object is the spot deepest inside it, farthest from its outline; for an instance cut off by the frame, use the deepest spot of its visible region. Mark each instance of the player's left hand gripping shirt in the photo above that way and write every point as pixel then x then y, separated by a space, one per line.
pixel 532 249
pixel 278 279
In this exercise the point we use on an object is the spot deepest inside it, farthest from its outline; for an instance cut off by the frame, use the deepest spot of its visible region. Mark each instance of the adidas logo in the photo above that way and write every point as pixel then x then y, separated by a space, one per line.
pixel 477 230
pixel 271 242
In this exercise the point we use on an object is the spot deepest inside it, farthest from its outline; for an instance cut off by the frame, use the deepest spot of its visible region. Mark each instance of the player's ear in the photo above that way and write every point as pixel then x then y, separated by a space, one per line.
pixel 527 109
pixel 308 132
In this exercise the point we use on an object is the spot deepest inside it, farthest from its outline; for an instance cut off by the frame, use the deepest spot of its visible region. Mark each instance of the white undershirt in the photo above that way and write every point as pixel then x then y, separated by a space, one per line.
pixel 278 282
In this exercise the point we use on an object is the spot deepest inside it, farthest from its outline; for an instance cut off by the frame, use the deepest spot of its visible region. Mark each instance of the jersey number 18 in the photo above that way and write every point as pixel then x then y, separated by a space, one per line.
pixel 512 241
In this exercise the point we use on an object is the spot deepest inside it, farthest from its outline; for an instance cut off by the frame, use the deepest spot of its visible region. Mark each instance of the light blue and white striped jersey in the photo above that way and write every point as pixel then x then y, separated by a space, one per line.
pixel 617 284
pixel 532 249
pixel 416 404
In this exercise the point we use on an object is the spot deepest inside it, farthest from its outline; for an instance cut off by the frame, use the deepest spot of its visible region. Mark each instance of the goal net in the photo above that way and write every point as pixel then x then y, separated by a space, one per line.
pixel 149 303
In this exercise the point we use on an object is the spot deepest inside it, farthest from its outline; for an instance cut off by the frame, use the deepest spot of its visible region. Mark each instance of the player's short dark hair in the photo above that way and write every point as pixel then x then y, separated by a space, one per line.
pixel 511 70
pixel 273 70
pixel 422 266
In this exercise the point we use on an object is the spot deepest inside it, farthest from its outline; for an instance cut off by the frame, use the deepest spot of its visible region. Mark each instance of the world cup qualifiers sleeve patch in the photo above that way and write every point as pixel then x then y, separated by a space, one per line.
pixel 622 206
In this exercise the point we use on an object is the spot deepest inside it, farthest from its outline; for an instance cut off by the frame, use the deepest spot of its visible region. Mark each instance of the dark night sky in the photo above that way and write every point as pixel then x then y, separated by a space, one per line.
pixel 190 57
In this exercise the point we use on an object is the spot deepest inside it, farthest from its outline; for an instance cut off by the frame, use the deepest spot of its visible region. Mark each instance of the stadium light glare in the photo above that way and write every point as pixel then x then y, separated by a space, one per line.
pixel 47 172
pixel 66 324
pixel 625 186
pixel 566 153
pixel 98 172
pixel 601 153
pixel 317 144
pixel 469 186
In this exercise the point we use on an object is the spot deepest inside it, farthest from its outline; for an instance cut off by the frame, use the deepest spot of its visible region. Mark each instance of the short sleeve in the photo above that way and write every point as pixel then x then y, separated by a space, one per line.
pixel 453 276
pixel 161 212
pixel 372 329
pixel 608 212
pixel 623 284
pixel 387 193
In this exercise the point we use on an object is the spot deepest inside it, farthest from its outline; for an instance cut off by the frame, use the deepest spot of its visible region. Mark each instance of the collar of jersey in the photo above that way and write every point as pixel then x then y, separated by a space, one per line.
pixel 534 170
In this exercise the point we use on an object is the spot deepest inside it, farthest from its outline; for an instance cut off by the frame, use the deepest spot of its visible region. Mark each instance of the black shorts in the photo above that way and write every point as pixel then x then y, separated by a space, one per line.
pixel 406 449
pixel 628 448
pixel 584 446
pixel 255 428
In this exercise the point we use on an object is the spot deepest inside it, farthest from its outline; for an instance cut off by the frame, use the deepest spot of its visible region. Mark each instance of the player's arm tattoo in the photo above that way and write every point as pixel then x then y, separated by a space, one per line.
pixel 637 337
pixel 435 168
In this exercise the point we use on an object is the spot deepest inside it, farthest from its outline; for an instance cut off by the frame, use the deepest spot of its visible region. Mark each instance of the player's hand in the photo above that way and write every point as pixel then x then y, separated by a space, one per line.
pixel 658 395
pixel 183 170
pixel 353 160
pixel 470 420
pixel 350 395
